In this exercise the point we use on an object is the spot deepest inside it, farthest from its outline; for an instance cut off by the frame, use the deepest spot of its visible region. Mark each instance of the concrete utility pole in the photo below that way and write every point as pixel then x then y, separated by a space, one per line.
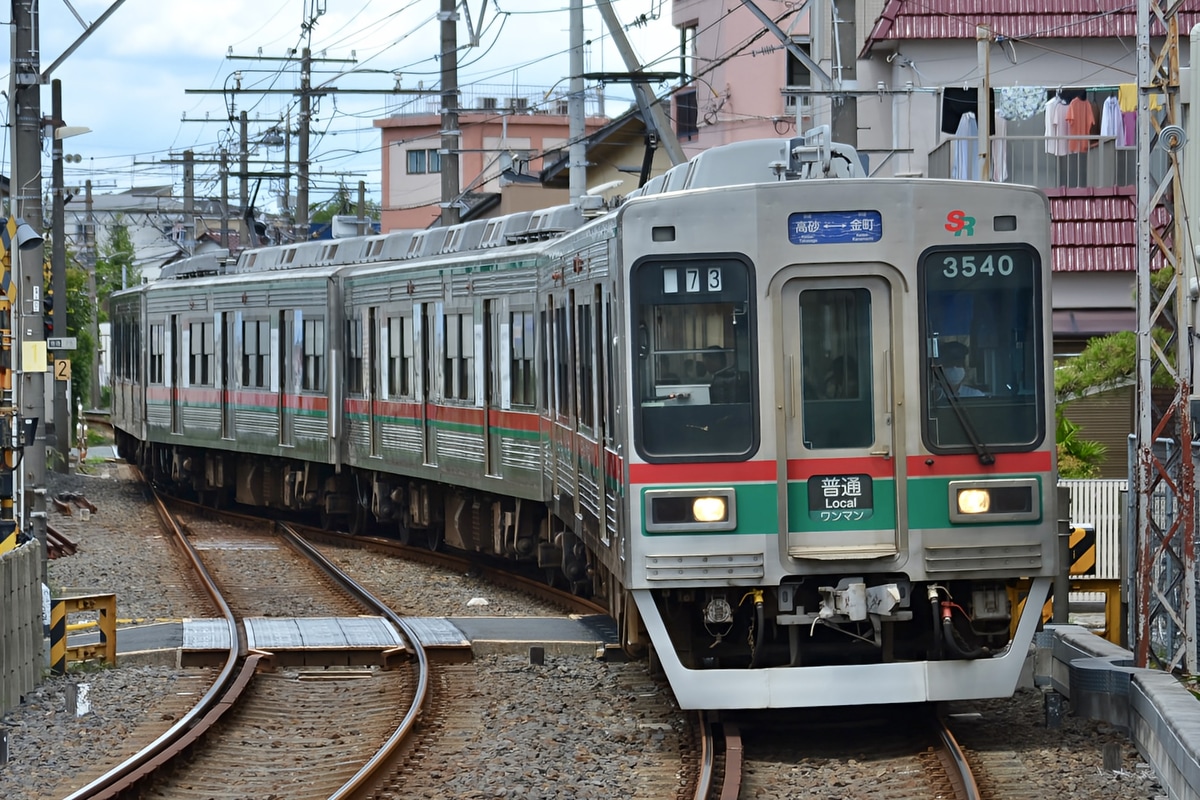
pixel 577 151
pixel 58 273
pixel 89 246
pixel 1163 613
pixel 651 109
pixel 29 347
pixel 302 155
pixel 451 185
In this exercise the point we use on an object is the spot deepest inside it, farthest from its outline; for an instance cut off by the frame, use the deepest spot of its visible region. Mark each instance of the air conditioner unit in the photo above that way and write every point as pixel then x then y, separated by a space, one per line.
pixel 487 103
pixel 518 103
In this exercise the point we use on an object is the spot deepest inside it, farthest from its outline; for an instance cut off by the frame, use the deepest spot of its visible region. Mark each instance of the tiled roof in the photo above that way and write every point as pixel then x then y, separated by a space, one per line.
pixel 1044 19
pixel 1095 230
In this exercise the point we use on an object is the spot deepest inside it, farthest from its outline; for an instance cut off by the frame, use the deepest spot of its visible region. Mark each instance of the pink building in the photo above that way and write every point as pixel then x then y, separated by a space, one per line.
pixel 492 142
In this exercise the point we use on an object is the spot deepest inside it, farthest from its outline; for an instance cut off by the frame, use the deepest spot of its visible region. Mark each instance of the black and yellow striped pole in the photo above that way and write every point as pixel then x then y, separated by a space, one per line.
pixel 8 456
pixel 58 638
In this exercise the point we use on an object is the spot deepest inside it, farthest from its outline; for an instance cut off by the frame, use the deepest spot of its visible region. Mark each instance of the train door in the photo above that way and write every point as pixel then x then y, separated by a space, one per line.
pixel 374 365
pixel 839 424
pixel 288 325
pixel 425 319
pixel 493 364
pixel 229 344
pixel 176 348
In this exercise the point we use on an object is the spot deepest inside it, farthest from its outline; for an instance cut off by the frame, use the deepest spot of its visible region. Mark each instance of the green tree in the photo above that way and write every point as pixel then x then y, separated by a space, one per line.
pixel 80 312
pixel 115 267
pixel 341 203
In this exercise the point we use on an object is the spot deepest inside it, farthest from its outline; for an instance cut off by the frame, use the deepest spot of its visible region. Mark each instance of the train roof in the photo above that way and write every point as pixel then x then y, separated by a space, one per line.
pixel 740 163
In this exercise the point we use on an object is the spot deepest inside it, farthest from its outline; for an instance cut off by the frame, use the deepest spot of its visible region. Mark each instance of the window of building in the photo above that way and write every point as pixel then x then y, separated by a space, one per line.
pixel 314 355
pixel 423 161
pixel 798 75
pixel 201 361
pixel 686 117
pixel 256 353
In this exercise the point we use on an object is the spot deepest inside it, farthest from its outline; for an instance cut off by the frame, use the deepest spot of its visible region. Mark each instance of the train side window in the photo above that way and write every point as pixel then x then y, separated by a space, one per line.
pixel 400 356
pixel 459 372
pixel 256 353
pixel 354 356
pixel 157 341
pixel 200 363
pixel 835 346
pixel 521 367
pixel 586 361
pixel 314 355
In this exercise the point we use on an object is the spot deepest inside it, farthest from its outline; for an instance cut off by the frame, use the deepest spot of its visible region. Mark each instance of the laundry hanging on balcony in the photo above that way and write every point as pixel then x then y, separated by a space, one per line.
pixel 965 166
pixel 1021 102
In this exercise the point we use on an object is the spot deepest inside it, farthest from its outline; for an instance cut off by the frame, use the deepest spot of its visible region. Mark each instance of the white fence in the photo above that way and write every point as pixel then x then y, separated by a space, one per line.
pixel 1100 503
pixel 20 623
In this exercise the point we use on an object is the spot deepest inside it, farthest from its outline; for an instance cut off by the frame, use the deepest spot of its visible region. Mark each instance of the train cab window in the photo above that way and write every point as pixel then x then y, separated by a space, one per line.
pixel 313 379
pixel 837 398
pixel 982 365
pixel 200 363
pixel 354 357
pixel 157 350
pixel 521 368
pixel 695 377
pixel 256 353
pixel 400 356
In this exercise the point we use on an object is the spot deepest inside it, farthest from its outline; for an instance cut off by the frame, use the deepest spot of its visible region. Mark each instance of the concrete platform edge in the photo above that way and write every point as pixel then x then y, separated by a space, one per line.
pixel 1160 715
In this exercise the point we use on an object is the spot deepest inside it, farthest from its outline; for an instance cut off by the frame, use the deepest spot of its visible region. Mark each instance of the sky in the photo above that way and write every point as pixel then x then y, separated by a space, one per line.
pixel 129 81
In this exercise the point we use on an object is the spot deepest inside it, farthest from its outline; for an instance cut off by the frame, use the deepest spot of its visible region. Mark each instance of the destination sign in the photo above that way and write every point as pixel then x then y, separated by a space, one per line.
pixel 835 227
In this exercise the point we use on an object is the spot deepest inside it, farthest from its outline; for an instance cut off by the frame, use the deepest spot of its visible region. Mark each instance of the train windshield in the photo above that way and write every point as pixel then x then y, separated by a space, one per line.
pixel 695 378
pixel 983 365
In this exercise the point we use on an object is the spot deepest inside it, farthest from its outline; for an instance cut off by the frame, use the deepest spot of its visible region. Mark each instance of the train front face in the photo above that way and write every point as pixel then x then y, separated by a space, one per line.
pixel 843 473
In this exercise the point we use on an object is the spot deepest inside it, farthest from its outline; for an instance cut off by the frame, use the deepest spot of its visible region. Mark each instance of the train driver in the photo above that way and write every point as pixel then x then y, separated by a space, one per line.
pixel 953 359
pixel 726 384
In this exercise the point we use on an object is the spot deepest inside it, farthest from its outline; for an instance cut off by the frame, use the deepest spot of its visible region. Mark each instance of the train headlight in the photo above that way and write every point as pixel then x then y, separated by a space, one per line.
pixel 974 501
pixel 1002 500
pixel 709 509
pixel 702 510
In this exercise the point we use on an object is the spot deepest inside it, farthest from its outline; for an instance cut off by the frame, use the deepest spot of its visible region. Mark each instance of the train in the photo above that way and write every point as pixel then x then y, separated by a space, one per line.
pixel 790 423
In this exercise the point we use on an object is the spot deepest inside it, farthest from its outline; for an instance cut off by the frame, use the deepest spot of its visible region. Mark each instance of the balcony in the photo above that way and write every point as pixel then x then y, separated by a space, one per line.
pixel 498 99
pixel 1024 160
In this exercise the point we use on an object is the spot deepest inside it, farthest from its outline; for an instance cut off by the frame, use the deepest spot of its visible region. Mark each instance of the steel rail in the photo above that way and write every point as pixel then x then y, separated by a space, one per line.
pixel 363 780
pixel 220 697
pixel 956 764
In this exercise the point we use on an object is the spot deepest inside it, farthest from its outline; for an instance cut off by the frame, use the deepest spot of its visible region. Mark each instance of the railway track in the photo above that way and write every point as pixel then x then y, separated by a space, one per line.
pixel 888 754
pixel 263 729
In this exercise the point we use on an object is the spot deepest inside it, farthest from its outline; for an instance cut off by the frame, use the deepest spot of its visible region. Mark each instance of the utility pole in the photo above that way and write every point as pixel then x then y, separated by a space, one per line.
pixel 302 159
pixel 189 199
pixel 58 272
pixel 244 174
pixel 224 198
pixel 450 133
pixel 29 347
pixel 89 244
pixel 577 151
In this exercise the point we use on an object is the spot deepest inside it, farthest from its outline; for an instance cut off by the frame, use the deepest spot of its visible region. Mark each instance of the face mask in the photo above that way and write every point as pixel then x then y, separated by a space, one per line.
pixel 955 375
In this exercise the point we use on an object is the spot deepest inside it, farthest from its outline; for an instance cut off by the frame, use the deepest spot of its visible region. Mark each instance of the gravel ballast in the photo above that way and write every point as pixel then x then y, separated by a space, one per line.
pixel 597 727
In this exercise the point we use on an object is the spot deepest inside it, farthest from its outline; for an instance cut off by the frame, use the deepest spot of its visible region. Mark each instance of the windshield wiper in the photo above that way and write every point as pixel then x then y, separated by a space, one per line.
pixel 939 376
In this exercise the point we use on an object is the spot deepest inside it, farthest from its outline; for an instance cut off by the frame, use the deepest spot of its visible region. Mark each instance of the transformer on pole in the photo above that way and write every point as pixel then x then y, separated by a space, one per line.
pixel 1163 608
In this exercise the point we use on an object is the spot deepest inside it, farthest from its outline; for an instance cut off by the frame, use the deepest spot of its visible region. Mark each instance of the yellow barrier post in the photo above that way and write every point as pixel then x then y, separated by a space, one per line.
pixel 105 606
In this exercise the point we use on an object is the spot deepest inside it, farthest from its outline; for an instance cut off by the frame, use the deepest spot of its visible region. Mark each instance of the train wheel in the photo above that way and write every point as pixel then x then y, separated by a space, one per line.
pixel 434 536
pixel 360 522
pixel 404 531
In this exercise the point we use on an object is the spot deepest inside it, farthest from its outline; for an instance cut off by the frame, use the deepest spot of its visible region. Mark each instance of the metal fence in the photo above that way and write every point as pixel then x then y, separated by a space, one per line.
pixel 21 638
